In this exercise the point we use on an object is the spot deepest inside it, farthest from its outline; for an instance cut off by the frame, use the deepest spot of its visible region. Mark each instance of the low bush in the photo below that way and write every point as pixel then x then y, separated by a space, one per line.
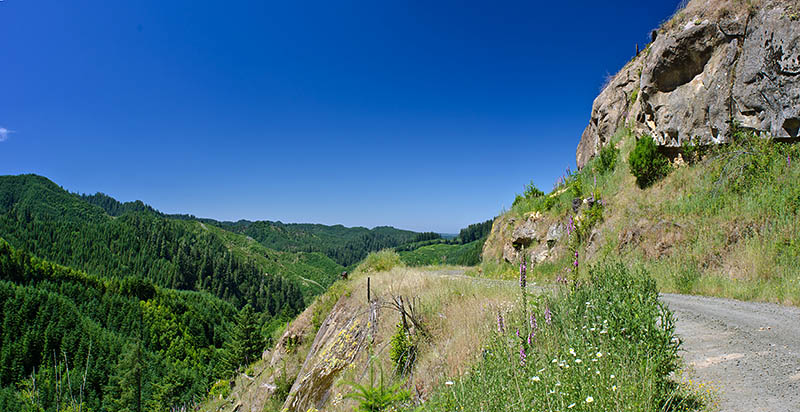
pixel 607 159
pixel 646 163
pixel 530 192
pixel 381 261
pixel 377 396
pixel 402 351
pixel 221 389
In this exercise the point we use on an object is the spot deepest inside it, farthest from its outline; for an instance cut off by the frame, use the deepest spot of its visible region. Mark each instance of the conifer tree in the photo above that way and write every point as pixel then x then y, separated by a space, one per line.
pixel 246 340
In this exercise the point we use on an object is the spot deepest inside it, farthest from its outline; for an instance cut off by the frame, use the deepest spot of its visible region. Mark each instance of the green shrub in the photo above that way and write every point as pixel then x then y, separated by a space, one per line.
pixel 686 279
pixel 646 163
pixel 402 351
pixel 692 151
pixel 283 385
pixel 377 398
pixel 381 261
pixel 221 389
pixel 607 159
pixel 583 226
pixel 634 95
pixel 530 192
pixel 576 188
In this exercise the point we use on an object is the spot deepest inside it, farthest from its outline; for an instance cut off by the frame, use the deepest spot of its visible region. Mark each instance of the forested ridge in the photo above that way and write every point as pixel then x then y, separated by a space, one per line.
pixel 136 294
pixel 38 216
pixel 140 347
pixel 345 245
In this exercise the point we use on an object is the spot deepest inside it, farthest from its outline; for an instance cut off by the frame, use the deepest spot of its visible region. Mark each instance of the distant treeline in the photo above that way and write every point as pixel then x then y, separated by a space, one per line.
pixel 475 231
pixel 346 246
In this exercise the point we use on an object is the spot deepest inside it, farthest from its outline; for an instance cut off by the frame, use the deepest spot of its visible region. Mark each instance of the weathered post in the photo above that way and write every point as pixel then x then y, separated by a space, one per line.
pixel 368 297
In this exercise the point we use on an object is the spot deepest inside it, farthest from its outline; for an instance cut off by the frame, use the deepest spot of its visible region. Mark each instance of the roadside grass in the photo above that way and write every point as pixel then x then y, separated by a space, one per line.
pixel 737 215
pixel 454 311
pixel 441 254
pixel 607 344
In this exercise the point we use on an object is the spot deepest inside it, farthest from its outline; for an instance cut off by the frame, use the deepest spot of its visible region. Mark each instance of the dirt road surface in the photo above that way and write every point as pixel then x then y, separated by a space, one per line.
pixel 749 352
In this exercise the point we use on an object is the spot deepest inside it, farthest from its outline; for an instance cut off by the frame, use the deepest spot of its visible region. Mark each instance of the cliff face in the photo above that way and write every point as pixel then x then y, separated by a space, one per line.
pixel 716 63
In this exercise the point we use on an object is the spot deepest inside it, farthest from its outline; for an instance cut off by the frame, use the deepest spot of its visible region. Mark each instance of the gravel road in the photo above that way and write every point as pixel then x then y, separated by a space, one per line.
pixel 749 352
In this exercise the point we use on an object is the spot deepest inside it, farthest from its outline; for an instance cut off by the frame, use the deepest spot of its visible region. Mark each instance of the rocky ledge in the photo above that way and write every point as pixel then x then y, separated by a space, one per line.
pixel 714 64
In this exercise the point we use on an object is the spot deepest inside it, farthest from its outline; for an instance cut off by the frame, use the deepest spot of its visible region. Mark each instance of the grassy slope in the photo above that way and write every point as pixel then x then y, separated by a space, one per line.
pixel 313 271
pixel 466 254
pixel 726 226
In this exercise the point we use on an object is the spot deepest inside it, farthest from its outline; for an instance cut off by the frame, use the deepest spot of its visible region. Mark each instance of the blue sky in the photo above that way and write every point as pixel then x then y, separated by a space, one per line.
pixel 420 115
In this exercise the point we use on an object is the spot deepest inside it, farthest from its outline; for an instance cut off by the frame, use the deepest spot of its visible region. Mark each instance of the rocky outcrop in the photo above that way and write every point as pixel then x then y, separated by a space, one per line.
pixel 340 339
pixel 716 63
pixel 535 235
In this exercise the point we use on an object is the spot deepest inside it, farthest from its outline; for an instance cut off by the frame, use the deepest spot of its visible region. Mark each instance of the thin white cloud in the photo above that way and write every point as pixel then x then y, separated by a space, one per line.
pixel 4 134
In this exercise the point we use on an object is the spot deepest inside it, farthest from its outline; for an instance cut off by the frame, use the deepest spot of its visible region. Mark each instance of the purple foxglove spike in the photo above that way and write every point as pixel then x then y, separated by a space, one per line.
pixel 500 326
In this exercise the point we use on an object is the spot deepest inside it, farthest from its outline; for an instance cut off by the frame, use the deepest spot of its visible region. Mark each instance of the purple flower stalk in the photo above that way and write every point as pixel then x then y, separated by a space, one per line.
pixel 522 356
pixel 532 321
pixel 500 325
pixel 522 273
pixel 547 315
pixel 518 335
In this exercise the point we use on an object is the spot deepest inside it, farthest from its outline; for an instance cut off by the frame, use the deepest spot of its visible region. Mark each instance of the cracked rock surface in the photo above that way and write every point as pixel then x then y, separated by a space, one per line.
pixel 712 65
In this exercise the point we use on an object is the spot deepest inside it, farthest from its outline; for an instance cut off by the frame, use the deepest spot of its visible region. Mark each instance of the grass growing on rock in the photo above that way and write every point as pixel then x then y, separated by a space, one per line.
pixel 726 224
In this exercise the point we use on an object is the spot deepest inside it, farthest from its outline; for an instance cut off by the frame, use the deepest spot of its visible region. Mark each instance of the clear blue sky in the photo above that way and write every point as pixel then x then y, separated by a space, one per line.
pixel 420 115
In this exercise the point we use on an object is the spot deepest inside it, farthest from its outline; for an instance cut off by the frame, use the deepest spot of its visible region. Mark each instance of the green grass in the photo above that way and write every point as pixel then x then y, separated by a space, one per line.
pixel 734 210
pixel 439 254
pixel 738 214
pixel 382 261
pixel 609 345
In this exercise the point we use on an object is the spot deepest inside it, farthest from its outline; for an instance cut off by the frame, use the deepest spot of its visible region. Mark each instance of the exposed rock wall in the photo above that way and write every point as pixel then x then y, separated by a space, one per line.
pixel 536 236
pixel 714 64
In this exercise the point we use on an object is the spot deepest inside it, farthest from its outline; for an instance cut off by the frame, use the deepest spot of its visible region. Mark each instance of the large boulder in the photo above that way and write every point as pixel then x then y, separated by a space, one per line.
pixel 716 63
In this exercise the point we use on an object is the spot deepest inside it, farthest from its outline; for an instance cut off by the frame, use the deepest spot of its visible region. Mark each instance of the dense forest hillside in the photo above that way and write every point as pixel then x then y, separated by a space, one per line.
pixel 345 245
pixel 127 343
pixel 150 307
pixel 38 216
